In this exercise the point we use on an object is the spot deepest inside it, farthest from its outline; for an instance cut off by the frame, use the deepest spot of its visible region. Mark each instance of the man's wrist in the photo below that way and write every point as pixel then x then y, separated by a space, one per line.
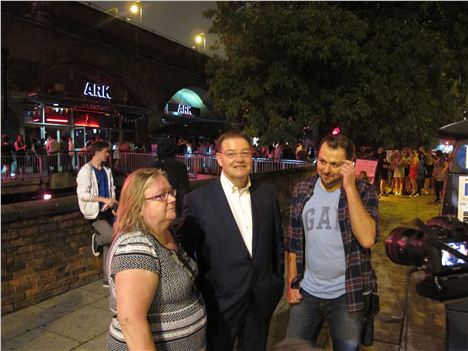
pixel 349 189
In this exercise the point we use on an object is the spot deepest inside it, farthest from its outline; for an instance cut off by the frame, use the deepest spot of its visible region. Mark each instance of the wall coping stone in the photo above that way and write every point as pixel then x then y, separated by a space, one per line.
pixel 33 209
pixel 67 204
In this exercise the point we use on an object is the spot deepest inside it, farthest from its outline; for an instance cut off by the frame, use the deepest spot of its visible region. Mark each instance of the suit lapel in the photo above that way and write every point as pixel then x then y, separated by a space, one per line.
pixel 256 208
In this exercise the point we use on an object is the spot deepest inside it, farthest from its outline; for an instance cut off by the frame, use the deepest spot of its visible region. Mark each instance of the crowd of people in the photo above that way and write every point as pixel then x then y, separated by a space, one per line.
pixel 410 172
pixel 49 153
pixel 278 151
pixel 61 155
pixel 209 275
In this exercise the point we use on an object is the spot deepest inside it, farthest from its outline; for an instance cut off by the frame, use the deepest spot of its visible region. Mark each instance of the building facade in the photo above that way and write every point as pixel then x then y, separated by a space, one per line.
pixel 72 70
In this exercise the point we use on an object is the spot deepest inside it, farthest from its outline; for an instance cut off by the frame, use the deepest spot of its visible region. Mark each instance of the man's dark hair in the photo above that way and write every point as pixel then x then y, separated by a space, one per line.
pixel 98 146
pixel 5 138
pixel 340 142
pixel 231 134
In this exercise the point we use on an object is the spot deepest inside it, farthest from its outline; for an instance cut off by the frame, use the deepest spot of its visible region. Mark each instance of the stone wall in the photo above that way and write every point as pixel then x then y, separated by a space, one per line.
pixel 46 244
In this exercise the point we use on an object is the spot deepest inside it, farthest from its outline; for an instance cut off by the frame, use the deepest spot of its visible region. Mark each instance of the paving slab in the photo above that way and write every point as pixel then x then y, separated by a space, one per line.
pixel 102 304
pixel 39 339
pixel 425 327
pixel 81 325
pixel 97 343
pixel 22 321
pixel 72 300
pixel 96 288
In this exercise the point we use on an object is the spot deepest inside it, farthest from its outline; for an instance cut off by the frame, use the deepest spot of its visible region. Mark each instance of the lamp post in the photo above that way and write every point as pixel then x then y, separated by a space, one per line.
pixel 137 7
pixel 200 38
pixel 113 10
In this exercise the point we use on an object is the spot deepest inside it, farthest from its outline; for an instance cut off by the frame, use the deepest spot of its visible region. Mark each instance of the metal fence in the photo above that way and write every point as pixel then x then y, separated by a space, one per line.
pixel 199 164
pixel 40 166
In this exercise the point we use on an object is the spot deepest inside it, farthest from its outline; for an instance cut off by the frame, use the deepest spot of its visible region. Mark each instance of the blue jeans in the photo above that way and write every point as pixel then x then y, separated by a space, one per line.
pixel 307 317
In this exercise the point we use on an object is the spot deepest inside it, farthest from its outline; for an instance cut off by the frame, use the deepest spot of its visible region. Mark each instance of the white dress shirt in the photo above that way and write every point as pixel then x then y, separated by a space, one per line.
pixel 241 208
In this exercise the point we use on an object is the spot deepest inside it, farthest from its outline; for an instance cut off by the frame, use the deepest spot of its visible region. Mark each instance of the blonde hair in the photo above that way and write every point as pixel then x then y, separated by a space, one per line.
pixel 132 198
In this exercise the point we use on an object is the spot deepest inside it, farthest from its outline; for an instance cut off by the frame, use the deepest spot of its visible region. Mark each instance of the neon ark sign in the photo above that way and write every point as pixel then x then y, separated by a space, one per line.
pixel 184 110
pixel 97 90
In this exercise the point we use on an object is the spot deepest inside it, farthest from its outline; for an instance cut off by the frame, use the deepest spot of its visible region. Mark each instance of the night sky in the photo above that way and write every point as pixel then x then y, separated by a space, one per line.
pixel 179 20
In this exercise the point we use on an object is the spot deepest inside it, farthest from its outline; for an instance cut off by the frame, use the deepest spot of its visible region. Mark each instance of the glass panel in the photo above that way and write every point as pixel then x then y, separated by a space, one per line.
pixel 32 113
pixel 460 157
pixel 79 138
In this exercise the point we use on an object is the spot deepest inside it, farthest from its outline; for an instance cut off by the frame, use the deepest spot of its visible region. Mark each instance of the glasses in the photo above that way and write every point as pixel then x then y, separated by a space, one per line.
pixel 163 196
pixel 242 154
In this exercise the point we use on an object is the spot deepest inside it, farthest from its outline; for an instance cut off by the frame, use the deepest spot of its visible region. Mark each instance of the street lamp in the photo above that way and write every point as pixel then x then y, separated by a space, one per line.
pixel 113 10
pixel 200 38
pixel 137 8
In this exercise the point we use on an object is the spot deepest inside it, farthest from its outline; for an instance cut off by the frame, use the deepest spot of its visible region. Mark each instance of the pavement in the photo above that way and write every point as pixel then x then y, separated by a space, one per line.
pixel 79 319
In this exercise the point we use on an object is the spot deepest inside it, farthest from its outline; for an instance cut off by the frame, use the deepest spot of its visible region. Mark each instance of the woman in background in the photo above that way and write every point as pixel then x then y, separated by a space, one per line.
pixel 7 156
pixel 413 172
pixel 20 148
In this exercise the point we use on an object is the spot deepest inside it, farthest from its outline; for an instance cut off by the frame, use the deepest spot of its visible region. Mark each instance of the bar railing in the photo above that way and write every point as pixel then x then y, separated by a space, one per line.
pixel 40 166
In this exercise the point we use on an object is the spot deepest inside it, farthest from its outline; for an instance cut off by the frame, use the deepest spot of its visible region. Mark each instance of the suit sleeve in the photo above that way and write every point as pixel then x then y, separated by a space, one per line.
pixel 184 184
pixel 279 237
pixel 188 230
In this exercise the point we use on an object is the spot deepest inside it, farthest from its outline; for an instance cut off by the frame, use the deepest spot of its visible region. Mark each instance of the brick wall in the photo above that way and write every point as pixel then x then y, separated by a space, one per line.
pixel 45 251
pixel 46 244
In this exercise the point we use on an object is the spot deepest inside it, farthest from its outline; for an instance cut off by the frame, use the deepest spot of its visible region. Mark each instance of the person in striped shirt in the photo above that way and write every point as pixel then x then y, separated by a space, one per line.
pixel 154 298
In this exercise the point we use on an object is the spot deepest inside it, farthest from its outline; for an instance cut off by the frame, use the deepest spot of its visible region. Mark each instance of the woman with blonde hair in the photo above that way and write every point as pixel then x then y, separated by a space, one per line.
pixel 154 299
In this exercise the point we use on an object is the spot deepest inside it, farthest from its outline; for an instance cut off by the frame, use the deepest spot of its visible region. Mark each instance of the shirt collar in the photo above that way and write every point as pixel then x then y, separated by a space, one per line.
pixel 229 186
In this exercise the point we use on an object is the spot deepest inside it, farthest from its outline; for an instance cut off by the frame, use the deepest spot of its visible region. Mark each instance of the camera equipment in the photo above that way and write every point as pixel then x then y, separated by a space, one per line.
pixel 440 248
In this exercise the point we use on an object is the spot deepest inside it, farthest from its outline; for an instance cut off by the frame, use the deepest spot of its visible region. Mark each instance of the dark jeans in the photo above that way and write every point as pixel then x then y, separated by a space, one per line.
pixel 438 189
pixel 102 224
pixel 307 317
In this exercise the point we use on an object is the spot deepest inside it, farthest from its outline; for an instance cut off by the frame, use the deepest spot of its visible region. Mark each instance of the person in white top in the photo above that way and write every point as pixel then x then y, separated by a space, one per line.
pixel 96 198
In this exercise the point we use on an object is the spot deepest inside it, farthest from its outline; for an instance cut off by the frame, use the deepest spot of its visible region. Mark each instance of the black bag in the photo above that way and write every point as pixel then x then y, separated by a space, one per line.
pixel 372 307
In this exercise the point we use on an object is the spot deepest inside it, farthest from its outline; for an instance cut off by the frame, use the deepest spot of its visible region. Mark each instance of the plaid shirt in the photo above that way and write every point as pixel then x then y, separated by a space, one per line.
pixel 360 276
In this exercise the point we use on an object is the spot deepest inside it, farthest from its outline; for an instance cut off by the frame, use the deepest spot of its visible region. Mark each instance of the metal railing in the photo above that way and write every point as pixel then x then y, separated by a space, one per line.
pixel 40 166
pixel 128 162
pixel 199 164
pixel 262 165
pixel 23 167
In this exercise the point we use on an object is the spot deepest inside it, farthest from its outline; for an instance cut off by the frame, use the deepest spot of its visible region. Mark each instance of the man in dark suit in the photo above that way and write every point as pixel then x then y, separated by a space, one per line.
pixel 233 228
pixel 176 170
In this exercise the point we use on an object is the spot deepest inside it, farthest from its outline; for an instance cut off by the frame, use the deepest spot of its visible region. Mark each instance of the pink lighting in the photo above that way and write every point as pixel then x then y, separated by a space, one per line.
pixel 47 196
pixel 59 120
pixel 94 125
pixel 336 131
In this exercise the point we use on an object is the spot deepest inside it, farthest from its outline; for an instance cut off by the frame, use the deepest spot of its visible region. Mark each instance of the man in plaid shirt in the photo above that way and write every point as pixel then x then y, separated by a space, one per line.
pixel 333 225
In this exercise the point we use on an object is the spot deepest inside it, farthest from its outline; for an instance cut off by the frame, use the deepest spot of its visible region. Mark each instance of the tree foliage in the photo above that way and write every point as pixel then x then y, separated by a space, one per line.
pixel 385 73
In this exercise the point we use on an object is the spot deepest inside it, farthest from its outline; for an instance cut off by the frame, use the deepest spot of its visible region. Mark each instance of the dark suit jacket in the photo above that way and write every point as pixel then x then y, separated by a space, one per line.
pixel 230 278
pixel 177 177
